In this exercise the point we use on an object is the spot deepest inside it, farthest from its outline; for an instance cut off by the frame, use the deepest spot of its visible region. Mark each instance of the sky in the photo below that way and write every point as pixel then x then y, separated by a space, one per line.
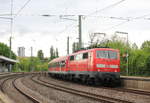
pixel 30 28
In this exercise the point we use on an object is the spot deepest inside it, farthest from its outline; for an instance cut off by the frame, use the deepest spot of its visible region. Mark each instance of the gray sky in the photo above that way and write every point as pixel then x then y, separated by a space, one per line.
pixel 31 29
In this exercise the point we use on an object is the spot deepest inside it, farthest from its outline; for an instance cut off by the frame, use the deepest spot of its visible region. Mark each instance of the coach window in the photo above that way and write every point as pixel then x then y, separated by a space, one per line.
pixel 85 56
pixel 49 66
pixel 71 58
pixel 52 65
pixel 63 63
pixel 57 64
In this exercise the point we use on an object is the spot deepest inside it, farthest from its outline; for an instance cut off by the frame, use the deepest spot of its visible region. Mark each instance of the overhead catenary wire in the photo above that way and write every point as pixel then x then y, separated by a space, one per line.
pixel 21 8
pixel 141 17
pixel 112 17
pixel 117 25
pixel 5 14
pixel 107 7
pixel 129 20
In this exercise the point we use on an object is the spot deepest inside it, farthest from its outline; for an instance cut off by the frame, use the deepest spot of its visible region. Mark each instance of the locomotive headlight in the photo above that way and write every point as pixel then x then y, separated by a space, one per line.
pixel 100 65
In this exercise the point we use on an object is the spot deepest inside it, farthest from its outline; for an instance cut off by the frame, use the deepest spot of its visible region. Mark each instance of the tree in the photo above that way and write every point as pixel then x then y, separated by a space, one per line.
pixel 148 65
pixel 57 54
pixel 97 39
pixel 40 55
pixel 52 53
pixel 25 64
pixel 134 46
pixel 5 51
pixel 146 46
pixel 92 38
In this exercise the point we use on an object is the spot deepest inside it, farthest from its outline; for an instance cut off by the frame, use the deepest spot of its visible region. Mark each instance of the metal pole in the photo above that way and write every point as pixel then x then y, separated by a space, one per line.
pixel 127 55
pixel 31 68
pixel 11 32
pixel 80 31
pixel 31 51
pixel 11 26
pixel 68 45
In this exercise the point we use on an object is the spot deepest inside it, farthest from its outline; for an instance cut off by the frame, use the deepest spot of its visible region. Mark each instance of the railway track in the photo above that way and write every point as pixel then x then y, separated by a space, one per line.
pixel 24 93
pixel 88 95
pixel 4 73
pixel 5 80
pixel 14 84
pixel 140 92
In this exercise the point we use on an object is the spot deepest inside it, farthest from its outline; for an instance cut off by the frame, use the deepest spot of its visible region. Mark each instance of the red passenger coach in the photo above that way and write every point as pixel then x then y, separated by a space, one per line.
pixel 58 65
pixel 96 65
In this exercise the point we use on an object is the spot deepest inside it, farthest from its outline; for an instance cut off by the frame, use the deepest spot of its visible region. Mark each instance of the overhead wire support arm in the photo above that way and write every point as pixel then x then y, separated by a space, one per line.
pixel 68 19
pixel 5 18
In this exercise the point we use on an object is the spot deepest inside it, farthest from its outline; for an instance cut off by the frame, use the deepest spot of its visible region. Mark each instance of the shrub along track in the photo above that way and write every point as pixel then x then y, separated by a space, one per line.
pixel 9 86
pixel 85 94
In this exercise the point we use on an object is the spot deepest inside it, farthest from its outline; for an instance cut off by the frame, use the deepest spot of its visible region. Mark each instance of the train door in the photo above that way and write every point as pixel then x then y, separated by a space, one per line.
pixel 90 61
pixel 85 60
pixel 79 62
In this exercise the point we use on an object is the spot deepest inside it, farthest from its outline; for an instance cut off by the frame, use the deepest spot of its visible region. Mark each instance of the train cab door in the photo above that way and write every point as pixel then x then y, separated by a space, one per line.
pixel 85 61
pixel 89 61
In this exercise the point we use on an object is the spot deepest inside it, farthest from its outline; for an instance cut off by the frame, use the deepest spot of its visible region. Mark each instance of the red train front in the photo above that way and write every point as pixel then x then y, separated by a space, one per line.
pixel 98 65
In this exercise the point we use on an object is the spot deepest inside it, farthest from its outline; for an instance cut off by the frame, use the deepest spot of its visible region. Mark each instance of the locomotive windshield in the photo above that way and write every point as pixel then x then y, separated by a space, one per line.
pixel 106 54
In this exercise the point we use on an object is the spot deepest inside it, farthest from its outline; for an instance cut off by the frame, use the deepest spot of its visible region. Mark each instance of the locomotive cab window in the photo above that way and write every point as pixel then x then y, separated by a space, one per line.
pixel 106 54
pixel 85 55
pixel 112 54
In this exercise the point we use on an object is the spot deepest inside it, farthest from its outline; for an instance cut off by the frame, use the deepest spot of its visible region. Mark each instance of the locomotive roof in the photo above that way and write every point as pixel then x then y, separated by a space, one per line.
pixel 93 49
pixel 81 51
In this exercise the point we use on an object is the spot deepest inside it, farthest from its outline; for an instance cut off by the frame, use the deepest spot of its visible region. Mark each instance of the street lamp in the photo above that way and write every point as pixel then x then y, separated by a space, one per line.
pixel 127 42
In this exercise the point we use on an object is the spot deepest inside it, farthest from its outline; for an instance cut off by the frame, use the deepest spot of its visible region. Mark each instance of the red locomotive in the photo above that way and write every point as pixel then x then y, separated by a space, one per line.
pixel 96 65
